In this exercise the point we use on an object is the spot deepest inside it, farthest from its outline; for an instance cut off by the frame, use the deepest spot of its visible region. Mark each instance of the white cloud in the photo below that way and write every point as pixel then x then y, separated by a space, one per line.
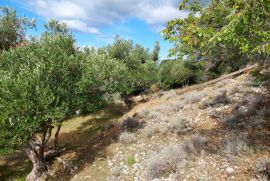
pixel 89 15
pixel 80 26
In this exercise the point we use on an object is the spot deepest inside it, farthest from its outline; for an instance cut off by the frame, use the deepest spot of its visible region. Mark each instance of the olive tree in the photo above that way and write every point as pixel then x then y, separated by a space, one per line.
pixel 12 28
pixel 45 82
pixel 38 86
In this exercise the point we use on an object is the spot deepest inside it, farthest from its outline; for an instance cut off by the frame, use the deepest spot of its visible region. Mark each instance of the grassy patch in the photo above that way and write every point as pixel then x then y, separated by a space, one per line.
pixel 131 161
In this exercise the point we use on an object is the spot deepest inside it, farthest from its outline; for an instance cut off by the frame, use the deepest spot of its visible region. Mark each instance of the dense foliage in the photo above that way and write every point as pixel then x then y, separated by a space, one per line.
pixel 12 28
pixel 174 74
pixel 225 34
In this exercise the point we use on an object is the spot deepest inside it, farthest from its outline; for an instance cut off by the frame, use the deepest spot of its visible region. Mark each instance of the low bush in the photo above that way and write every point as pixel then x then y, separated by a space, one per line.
pixel 177 107
pixel 194 97
pixel 236 146
pixel 149 130
pixel 232 122
pixel 167 160
pixel 127 138
pixel 262 167
pixel 219 98
pixel 129 124
pixel 179 125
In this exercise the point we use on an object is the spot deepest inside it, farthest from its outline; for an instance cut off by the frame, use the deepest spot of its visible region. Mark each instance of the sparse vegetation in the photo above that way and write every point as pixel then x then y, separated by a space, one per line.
pixel 129 124
pixel 263 167
pixel 167 160
pixel 130 161
pixel 127 138
pixel 214 100
pixel 236 145
pixel 179 125
pixel 149 130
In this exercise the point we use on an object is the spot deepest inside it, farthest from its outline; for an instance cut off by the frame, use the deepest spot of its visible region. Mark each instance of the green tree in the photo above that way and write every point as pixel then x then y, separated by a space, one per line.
pixel 226 33
pixel 136 58
pixel 12 28
pixel 38 84
pixel 156 52
pixel 173 74
pixel 44 83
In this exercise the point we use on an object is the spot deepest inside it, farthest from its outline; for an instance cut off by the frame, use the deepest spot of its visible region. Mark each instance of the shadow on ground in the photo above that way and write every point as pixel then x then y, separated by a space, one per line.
pixel 85 142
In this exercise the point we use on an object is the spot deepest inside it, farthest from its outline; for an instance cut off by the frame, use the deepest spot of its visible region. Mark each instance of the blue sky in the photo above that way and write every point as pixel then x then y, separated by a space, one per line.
pixel 97 22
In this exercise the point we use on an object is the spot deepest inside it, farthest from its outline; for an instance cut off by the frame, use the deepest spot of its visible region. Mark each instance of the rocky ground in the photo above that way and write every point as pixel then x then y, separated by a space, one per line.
pixel 217 132
pixel 220 132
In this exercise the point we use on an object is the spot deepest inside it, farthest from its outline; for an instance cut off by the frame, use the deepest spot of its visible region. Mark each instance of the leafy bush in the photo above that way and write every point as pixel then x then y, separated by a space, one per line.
pixel 226 35
pixel 177 73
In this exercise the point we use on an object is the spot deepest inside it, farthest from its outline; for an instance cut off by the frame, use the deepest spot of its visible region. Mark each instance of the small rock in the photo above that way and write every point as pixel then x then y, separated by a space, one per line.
pixel 229 170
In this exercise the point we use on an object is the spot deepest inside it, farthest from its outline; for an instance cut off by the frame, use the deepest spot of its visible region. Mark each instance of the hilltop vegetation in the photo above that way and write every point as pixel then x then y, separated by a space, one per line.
pixel 47 80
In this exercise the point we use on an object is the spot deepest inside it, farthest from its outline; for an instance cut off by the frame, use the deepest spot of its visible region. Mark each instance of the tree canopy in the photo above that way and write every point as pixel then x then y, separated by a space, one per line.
pixel 12 28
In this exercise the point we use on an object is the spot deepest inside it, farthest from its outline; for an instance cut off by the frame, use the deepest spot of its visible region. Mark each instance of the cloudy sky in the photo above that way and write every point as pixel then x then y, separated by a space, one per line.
pixel 96 22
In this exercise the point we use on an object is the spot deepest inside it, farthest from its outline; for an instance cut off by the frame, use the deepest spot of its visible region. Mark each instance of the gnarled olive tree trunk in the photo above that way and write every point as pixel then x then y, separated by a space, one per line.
pixel 35 152
pixel 56 136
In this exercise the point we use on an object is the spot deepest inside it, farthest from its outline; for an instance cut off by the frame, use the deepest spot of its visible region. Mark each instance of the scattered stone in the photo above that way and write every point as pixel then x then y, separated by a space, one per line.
pixel 229 170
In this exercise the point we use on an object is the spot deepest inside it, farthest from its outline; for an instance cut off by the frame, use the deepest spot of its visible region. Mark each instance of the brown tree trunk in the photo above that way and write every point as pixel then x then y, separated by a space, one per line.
pixel 56 136
pixel 39 170
pixel 35 151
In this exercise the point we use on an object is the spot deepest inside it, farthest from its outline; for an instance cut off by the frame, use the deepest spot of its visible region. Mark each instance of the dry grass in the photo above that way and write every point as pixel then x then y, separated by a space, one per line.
pixel 168 159
pixel 127 138
pixel 262 167
pixel 236 146
pixel 149 130
pixel 130 123
pixel 179 125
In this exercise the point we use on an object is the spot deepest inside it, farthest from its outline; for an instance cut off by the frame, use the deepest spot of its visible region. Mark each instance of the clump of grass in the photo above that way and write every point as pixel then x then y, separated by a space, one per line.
pixel 129 124
pixel 236 146
pixel 232 122
pixel 127 138
pixel 233 90
pixel 155 115
pixel 149 130
pixel 131 161
pixel 219 98
pixel 262 167
pixel 177 107
pixel 194 97
pixel 167 160
pixel 179 125
pixel 170 95
pixel 142 114
pixel 116 171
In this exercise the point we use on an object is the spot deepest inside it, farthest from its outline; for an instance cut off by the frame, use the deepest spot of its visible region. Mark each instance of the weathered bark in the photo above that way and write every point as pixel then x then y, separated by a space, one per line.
pixel 56 136
pixel 35 151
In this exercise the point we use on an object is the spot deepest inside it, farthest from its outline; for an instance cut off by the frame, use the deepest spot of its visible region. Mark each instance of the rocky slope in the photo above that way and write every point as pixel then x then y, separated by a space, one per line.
pixel 220 132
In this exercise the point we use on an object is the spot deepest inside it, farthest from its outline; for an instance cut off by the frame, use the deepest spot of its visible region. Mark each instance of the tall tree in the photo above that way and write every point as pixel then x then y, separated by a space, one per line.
pixel 227 33
pixel 156 50
pixel 12 28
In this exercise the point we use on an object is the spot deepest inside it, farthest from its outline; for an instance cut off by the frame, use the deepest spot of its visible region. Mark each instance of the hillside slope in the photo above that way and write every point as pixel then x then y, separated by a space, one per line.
pixel 220 132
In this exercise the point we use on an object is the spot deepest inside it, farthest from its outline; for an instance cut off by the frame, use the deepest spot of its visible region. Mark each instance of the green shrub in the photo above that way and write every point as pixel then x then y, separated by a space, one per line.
pixel 178 73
